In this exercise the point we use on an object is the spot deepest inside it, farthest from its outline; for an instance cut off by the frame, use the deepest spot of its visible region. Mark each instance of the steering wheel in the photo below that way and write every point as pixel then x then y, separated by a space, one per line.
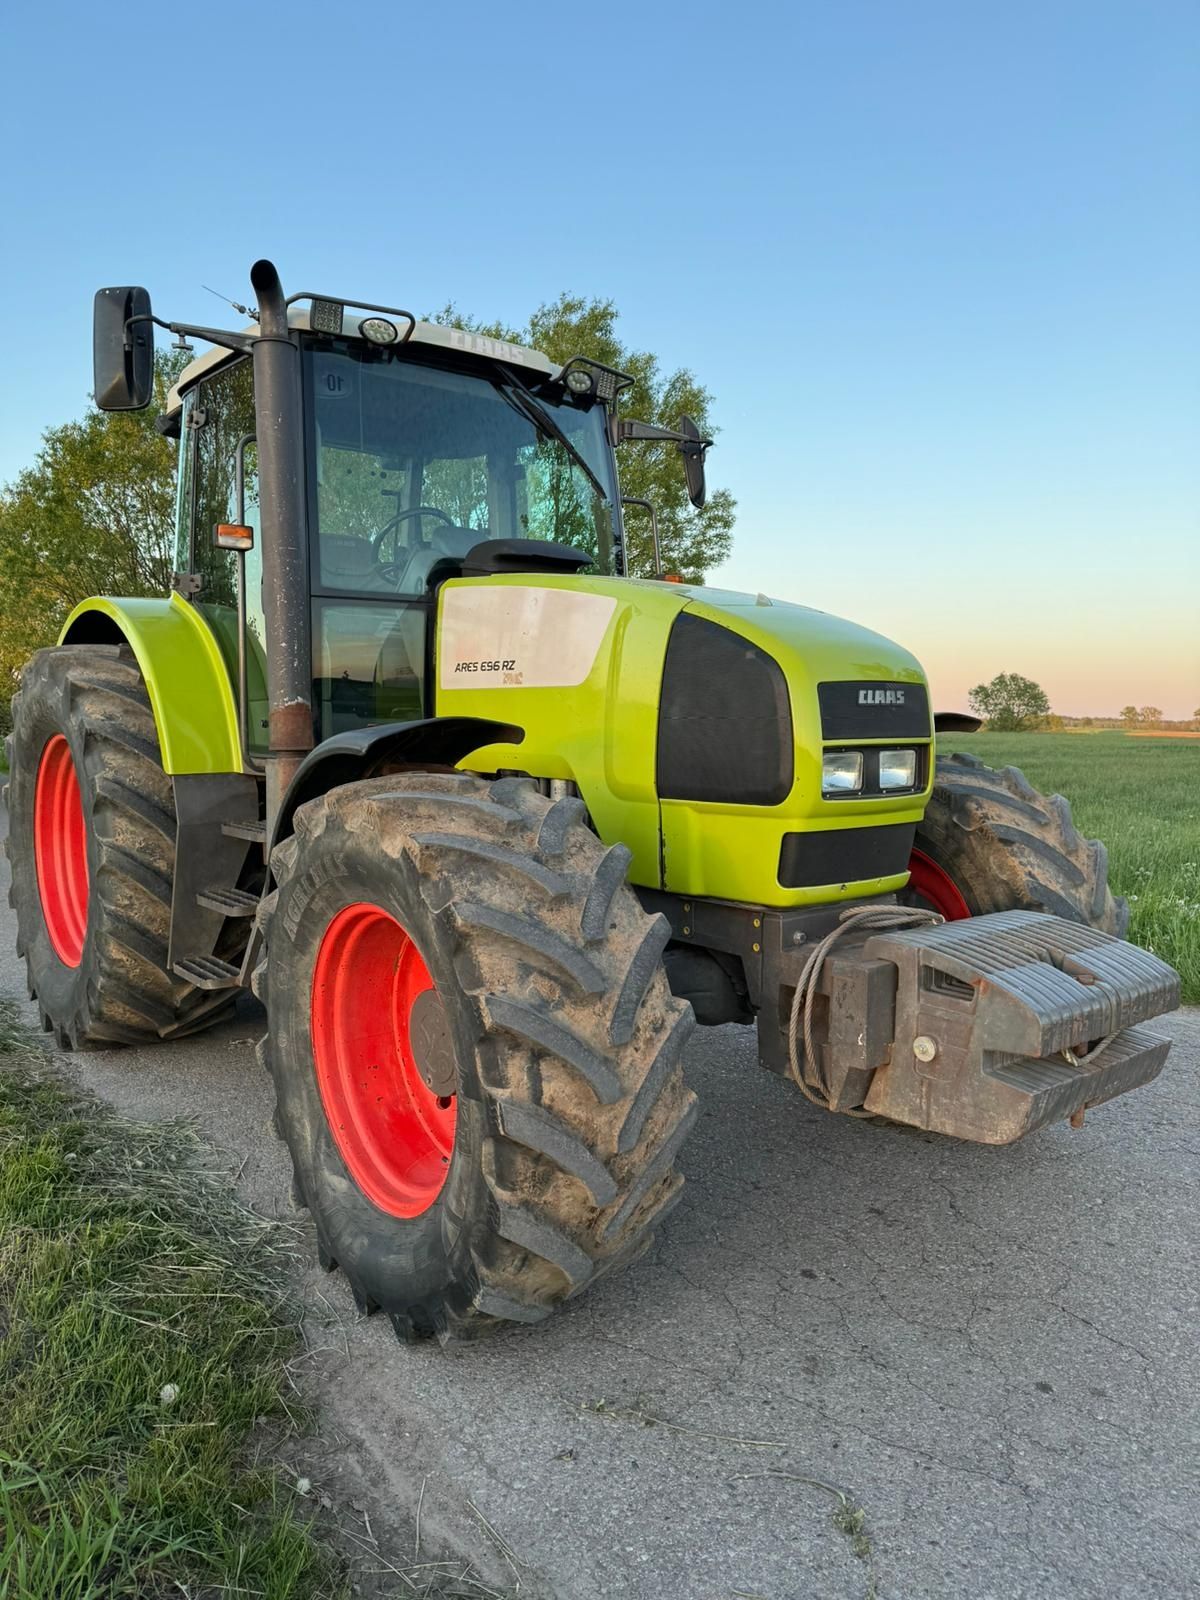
pixel 393 524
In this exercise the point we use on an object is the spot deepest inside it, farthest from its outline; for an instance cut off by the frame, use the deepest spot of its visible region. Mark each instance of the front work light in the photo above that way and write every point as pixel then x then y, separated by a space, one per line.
pixel 841 771
pixel 379 330
pixel 326 316
pixel 897 769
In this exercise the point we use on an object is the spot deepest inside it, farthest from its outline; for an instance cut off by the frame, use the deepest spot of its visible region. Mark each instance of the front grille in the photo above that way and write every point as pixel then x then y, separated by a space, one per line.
pixel 724 719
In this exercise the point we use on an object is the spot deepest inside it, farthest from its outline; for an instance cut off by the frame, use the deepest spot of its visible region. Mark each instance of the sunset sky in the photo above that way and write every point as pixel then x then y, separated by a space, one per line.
pixel 939 265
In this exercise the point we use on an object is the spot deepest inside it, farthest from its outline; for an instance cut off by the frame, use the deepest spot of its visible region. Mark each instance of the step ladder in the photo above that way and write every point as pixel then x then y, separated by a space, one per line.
pixel 210 972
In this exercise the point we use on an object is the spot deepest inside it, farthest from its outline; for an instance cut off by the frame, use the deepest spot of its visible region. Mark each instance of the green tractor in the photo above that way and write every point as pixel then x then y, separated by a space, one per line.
pixel 489 825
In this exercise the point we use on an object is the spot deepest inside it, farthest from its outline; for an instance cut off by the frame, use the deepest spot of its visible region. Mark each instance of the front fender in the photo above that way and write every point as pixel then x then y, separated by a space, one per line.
pixel 190 691
pixel 367 752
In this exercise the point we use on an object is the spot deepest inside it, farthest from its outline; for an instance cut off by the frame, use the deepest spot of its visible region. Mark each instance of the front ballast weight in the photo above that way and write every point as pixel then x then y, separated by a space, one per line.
pixel 984 1029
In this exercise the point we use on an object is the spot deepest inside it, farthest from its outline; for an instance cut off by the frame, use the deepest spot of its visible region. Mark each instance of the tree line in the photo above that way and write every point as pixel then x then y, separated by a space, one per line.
pixel 1011 703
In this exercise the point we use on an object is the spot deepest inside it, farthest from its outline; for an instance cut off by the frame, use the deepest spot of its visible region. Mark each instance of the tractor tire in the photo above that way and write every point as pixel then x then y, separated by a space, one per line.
pixel 91 843
pixel 475 1052
pixel 1004 847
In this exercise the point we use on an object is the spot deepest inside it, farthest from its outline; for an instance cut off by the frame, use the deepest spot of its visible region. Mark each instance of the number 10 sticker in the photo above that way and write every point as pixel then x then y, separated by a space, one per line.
pixel 334 379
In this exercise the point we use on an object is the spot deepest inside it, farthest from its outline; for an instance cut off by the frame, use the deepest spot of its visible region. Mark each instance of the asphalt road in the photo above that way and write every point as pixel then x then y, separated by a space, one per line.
pixel 994 1352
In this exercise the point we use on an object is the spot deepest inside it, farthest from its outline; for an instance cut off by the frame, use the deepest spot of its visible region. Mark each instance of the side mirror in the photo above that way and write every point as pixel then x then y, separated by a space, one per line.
pixel 122 349
pixel 692 447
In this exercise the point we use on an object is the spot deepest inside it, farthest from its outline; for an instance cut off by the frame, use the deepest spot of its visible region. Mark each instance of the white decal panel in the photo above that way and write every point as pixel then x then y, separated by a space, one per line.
pixel 506 637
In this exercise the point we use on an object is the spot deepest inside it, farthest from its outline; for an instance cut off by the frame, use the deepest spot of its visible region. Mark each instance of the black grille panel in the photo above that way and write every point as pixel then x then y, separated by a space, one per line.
pixel 724 720
pixel 848 855
pixel 874 710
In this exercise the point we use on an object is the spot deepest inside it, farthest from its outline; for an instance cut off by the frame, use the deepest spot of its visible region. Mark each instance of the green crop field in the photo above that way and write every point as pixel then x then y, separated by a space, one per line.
pixel 1142 798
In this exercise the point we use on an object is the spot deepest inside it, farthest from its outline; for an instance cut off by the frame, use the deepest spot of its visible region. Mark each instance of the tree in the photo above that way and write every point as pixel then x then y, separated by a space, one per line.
pixel 1009 702
pixel 94 514
pixel 1129 716
pixel 1150 716
pixel 690 541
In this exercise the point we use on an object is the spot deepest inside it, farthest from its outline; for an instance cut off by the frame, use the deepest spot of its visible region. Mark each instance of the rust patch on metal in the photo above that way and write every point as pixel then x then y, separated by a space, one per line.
pixel 290 727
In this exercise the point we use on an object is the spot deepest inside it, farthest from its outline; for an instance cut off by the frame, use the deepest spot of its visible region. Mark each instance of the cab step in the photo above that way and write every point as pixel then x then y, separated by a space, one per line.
pixel 256 832
pixel 229 902
pixel 208 972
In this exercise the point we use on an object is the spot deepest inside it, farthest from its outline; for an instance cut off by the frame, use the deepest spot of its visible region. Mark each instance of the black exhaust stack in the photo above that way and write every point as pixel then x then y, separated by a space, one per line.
pixel 284 527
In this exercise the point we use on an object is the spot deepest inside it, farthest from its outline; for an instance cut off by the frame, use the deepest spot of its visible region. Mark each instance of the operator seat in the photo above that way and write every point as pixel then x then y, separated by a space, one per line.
pixel 345 560
pixel 448 545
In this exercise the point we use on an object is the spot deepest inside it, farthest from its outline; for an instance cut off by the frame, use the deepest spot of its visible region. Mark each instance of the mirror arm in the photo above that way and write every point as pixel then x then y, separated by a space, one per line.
pixel 231 341
pixel 628 429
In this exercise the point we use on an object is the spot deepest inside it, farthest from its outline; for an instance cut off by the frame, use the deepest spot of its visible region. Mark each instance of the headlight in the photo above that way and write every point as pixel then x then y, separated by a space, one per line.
pixel 841 771
pixel 897 769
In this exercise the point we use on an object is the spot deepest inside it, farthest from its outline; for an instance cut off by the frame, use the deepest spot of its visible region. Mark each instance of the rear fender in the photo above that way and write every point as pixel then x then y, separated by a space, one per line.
pixel 181 663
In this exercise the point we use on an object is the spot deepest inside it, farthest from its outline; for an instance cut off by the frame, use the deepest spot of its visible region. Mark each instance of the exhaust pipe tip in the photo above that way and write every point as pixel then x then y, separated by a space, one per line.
pixel 268 291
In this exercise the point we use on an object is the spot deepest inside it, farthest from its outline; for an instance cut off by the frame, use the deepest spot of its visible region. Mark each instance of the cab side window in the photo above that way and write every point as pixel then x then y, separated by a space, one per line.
pixel 220 415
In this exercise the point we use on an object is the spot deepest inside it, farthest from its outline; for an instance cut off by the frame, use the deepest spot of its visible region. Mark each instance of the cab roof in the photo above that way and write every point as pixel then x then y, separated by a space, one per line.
pixel 434 333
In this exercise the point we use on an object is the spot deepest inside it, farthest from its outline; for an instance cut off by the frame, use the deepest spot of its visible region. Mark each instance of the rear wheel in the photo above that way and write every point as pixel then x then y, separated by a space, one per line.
pixel 990 841
pixel 91 841
pixel 475 1051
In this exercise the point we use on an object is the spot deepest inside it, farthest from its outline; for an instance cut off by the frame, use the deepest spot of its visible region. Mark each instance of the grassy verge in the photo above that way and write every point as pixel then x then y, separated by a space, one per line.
pixel 143 1336
pixel 1139 796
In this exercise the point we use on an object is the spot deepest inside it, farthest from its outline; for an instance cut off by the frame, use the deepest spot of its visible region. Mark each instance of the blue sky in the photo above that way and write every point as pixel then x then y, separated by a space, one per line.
pixel 938 263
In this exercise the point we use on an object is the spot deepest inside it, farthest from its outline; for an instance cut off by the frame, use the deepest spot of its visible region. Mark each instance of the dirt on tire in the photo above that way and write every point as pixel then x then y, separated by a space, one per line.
pixel 122 991
pixel 567 1041
pixel 1008 847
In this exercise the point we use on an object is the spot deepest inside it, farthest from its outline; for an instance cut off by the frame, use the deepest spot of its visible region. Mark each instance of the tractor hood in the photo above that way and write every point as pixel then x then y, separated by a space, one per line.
pixel 694 722
pixel 818 647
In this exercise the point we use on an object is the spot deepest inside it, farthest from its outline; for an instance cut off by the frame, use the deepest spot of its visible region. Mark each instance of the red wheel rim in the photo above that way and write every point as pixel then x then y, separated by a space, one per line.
pixel 60 851
pixel 934 888
pixel 394 1133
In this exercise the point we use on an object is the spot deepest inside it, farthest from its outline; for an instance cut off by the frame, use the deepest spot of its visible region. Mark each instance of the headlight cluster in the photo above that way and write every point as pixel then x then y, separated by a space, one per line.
pixel 844 771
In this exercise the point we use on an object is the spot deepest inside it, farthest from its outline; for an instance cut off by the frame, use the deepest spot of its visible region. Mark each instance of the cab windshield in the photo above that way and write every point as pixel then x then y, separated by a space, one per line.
pixel 417 464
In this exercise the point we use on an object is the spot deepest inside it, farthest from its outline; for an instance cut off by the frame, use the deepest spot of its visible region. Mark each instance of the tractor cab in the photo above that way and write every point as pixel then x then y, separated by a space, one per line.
pixel 425 455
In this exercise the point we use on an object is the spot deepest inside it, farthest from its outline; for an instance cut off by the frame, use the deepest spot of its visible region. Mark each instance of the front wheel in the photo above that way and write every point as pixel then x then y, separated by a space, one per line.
pixel 475 1051
pixel 990 841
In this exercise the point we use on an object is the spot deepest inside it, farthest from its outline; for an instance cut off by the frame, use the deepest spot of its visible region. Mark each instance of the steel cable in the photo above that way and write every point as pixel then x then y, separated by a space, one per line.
pixel 875 918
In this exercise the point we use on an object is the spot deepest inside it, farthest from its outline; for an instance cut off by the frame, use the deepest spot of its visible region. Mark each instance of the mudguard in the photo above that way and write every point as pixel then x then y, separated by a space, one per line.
pixel 190 691
pixel 367 752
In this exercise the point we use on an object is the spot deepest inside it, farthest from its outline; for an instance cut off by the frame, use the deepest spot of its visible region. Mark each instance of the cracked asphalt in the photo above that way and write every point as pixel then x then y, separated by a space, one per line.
pixel 992 1353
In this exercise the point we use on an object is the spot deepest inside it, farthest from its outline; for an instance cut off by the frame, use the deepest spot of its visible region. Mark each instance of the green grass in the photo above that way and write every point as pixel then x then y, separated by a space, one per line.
pixel 143 1334
pixel 1142 798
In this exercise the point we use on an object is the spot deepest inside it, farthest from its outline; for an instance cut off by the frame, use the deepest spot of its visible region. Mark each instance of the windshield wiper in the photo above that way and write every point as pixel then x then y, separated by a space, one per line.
pixel 519 397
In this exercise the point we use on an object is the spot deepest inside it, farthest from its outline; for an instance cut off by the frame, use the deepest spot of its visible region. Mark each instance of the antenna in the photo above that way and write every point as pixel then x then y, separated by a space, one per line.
pixel 246 311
